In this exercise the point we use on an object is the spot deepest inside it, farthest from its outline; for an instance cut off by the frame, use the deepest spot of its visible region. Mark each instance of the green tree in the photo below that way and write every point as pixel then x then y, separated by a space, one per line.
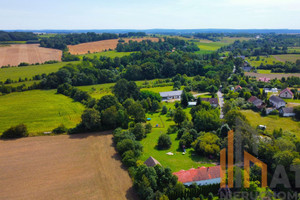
pixel 155 106
pixel 179 116
pixel 207 144
pixel 148 128
pixel 137 112
pixel 139 131
pixel 206 120
pixel 164 110
pixel 297 112
pixel 15 132
pixel 91 119
pixel 106 102
pixel 231 117
pixel 109 117
pixel 164 141
pixel 184 99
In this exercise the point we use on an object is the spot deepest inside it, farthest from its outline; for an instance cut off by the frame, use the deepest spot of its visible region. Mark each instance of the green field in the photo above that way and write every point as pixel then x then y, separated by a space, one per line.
pixel 12 42
pixel 287 57
pixel 293 49
pixel 272 122
pixel 270 60
pixel 176 162
pixel 100 90
pixel 15 73
pixel 208 46
pixel 40 110
pixel 262 71
pixel 26 83
pixel 111 54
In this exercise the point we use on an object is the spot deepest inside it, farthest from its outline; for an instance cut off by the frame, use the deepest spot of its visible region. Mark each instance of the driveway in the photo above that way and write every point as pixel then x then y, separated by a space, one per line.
pixel 221 103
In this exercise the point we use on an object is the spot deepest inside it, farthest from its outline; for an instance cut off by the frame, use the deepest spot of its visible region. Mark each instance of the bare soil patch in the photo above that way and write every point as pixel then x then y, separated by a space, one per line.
pixel 272 75
pixel 30 53
pixel 93 47
pixel 83 166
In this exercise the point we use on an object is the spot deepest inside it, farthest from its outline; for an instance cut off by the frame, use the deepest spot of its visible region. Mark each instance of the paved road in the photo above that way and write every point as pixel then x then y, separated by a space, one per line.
pixel 221 103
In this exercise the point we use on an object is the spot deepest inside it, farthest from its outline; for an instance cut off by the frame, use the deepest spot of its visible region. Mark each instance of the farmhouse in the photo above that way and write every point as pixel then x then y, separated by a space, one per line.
pixel 200 176
pixel 171 95
pixel 151 162
pixel 256 101
pixel 287 112
pixel 192 103
pixel 213 101
pixel 286 93
pixel 277 102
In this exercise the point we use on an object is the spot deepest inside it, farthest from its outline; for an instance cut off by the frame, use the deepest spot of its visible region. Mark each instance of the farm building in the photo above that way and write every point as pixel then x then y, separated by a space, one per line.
pixel 192 103
pixel 256 101
pixel 286 93
pixel 264 79
pixel 277 102
pixel 287 112
pixel 171 95
pixel 151 162
pixel 270 90
pixel 200 176
pixel 213 101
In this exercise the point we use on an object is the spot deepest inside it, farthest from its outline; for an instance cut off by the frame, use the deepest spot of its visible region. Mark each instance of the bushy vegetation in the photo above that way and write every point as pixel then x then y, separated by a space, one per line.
pixel 17 36
pixel 15 132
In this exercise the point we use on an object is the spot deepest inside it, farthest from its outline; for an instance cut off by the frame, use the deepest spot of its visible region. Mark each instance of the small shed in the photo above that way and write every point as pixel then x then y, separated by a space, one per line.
pixel 151 162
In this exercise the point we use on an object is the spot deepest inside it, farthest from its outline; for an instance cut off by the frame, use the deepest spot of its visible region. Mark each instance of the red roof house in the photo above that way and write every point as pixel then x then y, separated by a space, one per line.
pixel 264 79
pixel 238 88
pixel 200 176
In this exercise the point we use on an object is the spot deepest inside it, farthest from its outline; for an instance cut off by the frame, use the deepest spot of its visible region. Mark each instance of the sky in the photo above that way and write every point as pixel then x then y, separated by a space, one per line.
pixel 140 14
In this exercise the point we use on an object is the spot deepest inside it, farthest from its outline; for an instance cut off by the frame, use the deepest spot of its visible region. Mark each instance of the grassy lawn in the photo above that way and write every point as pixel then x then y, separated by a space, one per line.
pixel 292 100
pixel 12 42
pixel 262 71
pixel 159 89
pixel 272 122
pixel 293 49
pixel 40 110
pixel 27 83
pixel 178 161
pixel 111 54
pixel 15 73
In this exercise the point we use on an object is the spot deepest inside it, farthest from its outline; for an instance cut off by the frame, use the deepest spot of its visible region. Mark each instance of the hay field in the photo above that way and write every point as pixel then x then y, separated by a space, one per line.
pixel 81 166
pixel 93 47
pixel 30 53
pixel 40 110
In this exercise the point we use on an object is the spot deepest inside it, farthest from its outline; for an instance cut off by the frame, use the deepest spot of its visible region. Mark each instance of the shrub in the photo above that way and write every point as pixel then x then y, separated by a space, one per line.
pixel 164 142
pixel 164 110
pixel 16 132
pixel 60 129
pixel 148 128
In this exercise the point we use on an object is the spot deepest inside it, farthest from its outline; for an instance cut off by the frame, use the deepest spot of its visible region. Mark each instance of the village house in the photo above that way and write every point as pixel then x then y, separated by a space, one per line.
pixel 192 103
pixel 256 102
pixel 286 93
pixel 287 112
pixel 200 176
pixel 277 102
pixel 151 162
pixel 171 95
pixel 213 101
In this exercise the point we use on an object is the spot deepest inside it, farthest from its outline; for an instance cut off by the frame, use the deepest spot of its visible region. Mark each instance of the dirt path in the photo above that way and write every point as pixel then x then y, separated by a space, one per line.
pixel 63 167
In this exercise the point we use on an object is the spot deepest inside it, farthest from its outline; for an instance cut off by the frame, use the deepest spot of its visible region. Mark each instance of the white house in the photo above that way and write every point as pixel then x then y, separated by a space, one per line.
pixel 277 102
pixel 200 176
pixel 287 112
pixel 270 90
pixel 171 95
pixel 286 93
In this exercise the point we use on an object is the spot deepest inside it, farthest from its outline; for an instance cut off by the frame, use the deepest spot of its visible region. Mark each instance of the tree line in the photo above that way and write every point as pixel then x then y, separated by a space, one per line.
pixel 17 36
pixel 61 41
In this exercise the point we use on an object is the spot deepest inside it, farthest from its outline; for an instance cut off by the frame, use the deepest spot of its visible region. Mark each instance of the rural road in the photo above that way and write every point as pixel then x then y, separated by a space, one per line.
pixel 221 103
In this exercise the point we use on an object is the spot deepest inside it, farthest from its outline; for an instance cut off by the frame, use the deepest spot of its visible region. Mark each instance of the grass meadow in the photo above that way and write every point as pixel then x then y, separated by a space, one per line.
pixel 272 122
pixel 40 110
pixel 178 161
pixel 111 54
pixel 287 57
pixel 28 72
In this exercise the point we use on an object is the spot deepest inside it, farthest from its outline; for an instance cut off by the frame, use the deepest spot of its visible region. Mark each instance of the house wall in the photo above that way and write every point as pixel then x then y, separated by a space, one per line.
pixel 286 95
pixel 278 105
pixel 289 114
pixel 205 182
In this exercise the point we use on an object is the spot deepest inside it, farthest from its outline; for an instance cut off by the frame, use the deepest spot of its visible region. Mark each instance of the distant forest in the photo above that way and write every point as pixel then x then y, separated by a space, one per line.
pixel 61 41
pixel 17 36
